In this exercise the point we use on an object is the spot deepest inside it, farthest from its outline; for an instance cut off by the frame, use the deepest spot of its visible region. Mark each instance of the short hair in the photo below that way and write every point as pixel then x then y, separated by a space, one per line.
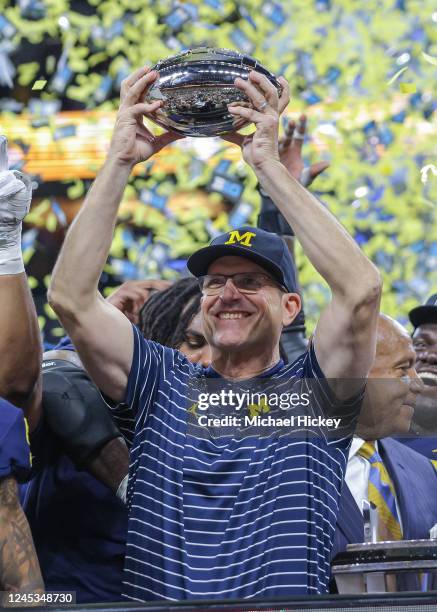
pixel 166 315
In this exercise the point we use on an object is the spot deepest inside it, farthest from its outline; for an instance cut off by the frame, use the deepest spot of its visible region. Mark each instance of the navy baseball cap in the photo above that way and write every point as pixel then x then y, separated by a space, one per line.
pixel 426 313
pixel 266 249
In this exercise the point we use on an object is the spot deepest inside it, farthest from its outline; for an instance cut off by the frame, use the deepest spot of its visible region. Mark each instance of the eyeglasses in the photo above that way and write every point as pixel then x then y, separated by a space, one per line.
pixel 245 282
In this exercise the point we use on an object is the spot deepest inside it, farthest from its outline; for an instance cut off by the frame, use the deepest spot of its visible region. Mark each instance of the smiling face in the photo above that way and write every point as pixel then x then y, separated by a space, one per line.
pixel 233 321
pixel 425 345
pixel 391 395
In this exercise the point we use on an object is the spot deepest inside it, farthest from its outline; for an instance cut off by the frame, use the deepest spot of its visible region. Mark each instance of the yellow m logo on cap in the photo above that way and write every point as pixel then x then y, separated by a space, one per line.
pixel 243 239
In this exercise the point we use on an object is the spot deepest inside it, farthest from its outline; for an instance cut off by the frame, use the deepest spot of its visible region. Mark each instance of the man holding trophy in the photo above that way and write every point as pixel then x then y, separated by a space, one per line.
pixel 209 517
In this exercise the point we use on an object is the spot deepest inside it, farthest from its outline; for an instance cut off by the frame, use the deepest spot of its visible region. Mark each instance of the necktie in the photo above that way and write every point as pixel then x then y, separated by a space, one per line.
pixel 381 493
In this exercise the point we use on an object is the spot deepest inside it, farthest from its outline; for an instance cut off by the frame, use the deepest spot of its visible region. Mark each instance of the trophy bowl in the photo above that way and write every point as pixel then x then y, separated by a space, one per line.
pixel 197 86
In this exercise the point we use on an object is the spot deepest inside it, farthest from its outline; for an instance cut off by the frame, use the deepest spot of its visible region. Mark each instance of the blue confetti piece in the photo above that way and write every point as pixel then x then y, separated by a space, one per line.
pixel 192 11
pixel 223 166
pixel 150 197
pixel 306 68
pixel 7 30
pixel 62 78
pixel 241 41
pixel 415 100
pixel 44 108
pixel 144 244
pixel 399 117
pixel 159 253
pixel 399 286
pixel 66 131
pixel 215 4
pixel 104 89
pixel 417 247
pixel 429 111
pixel 176 19
pixel 369 128
pixel 128 238
pixel 247 16
pixel 33 10
pixel 310 97
pixel 383 260
pixel 28 239
pixel 230 189
pixel 240 215
pixel 115 30
pixel 381 214
pixel 274 13
pixel 122 73
pixel 179 265
pixel 376 194
pixel 60 215
pixel 385 136
pixel 332 75
pixel 322 31
pixel 322 5
pixel 125 269
pixel 361 238
pixel 418 35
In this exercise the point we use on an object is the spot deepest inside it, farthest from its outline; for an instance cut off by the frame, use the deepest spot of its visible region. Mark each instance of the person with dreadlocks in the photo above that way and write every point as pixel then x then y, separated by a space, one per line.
pixel 172 318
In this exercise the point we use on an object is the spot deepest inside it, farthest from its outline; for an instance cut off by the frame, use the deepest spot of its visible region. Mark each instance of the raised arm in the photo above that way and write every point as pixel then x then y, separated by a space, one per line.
pixel 20 340
pixel 101 334
pixel 345 336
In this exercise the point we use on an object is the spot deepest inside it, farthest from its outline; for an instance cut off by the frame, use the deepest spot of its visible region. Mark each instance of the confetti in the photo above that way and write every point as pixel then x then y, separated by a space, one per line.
pixel 397 75
pixel 375 130
pixel 426 170
pixel 38 85
pixel 408 88
pixel 429 58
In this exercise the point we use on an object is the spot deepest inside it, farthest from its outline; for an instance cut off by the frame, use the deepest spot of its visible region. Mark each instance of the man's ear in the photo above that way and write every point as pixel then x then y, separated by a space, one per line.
pixel 291 305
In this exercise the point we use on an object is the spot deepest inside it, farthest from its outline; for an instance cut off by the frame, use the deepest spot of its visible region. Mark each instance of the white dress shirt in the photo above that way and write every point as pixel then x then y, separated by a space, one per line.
pixel 357 475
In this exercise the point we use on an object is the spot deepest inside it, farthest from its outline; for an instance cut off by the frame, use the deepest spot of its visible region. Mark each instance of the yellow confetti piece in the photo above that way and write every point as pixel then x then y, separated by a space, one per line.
pixel 38 85
pixel 58 332
pixel 33 282
pixel 50 312
pixel 429 58
pixel 27 255
pixel 408 88
pixel 397 75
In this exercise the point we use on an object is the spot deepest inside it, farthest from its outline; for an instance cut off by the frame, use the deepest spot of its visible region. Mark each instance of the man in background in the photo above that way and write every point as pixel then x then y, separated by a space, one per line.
pixel 424 425
pixel 20 350
pixel 401 483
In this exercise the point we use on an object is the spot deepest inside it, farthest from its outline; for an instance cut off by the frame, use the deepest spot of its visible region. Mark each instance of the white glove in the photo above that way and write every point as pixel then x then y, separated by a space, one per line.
pixel 15 199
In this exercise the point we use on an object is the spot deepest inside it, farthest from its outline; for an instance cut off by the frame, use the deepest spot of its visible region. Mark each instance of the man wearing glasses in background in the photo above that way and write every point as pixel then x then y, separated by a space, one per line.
pixel 224 517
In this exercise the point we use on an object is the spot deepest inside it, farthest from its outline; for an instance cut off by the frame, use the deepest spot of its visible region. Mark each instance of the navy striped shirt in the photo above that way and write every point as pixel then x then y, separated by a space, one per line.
pixel 223 517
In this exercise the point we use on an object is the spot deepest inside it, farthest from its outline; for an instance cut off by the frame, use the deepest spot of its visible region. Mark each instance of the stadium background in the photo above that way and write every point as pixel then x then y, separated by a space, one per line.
pixel 363 71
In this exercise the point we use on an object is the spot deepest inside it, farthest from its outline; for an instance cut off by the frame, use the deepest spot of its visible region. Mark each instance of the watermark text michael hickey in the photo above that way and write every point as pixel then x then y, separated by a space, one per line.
pixel 267 421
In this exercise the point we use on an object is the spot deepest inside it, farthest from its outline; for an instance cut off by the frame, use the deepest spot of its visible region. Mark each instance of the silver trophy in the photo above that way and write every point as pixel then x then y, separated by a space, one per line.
pixel 197 86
